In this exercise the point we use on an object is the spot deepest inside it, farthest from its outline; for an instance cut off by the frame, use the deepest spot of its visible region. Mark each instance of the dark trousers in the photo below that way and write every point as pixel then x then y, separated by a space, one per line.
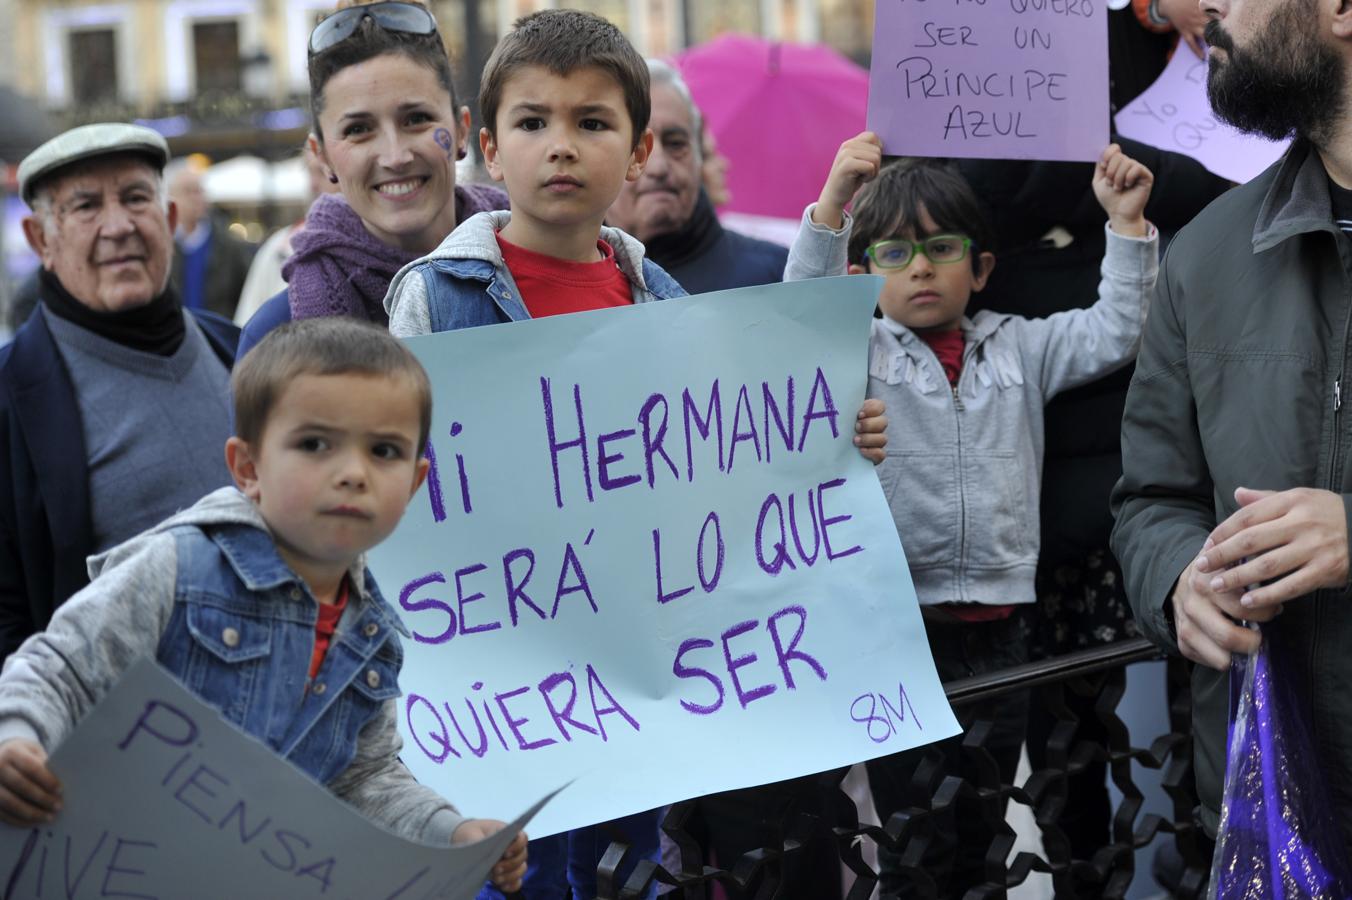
pixel 959 837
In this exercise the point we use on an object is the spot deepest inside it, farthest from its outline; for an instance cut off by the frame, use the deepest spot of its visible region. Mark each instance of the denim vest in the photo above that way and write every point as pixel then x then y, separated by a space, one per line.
pixel 466 293
pixel 241 636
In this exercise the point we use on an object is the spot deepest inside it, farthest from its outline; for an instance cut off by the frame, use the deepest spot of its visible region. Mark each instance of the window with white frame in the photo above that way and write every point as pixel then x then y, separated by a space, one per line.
pixel 93 71
pixel 88 54
pixel 216 56
pixel 203 44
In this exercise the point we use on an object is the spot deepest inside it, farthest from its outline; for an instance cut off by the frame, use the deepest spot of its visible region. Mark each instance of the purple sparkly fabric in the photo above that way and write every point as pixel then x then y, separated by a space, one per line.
pixel 1278 837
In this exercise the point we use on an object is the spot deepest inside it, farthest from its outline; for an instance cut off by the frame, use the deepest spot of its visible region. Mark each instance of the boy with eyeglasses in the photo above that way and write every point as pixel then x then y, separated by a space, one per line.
pixel 965 400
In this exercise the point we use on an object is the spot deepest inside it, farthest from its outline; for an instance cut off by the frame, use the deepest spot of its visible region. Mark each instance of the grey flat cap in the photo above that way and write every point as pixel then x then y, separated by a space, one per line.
pixel 85 142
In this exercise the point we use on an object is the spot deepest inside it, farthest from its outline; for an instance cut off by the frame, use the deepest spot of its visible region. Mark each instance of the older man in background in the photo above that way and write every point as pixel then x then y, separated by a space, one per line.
pixel 114 403
pixel 668 210
pixel 210 263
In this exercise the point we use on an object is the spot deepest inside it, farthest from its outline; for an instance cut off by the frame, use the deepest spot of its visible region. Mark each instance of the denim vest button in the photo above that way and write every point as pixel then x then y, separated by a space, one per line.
pixel 372 679
pixel 318 689
pixel 371 629
pixel 295 593
pixel 230 637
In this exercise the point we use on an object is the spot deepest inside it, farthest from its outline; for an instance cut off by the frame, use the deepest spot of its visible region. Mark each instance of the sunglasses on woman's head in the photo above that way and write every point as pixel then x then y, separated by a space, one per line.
pixel 408 18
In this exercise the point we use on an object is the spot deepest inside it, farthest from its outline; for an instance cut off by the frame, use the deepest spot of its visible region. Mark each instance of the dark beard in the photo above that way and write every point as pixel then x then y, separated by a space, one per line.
pixel 1287 82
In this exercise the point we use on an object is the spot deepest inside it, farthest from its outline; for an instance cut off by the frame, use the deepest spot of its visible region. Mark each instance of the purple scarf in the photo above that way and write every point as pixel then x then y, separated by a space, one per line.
pixel 338 268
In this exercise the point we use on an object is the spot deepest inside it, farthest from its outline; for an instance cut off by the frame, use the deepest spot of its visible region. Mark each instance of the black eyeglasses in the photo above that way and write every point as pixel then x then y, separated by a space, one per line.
pixel 408 18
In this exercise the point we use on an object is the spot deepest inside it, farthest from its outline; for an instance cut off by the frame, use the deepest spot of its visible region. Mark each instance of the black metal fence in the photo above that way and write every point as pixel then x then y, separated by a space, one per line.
pixel 1085 738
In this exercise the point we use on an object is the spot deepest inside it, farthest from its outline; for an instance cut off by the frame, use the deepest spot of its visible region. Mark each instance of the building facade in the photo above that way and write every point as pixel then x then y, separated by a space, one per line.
pixel 215 61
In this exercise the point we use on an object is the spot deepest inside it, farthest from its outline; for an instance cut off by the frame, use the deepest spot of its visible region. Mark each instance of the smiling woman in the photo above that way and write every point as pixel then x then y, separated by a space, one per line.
pixel 387 131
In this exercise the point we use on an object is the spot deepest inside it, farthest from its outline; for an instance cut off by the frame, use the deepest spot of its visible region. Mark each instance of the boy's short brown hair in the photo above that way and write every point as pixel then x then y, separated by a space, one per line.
pixel 891 205
pixel 564 41
pixel 323 346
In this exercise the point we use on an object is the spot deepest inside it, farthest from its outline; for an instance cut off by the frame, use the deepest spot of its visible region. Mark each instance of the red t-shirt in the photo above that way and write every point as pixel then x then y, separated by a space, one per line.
pixel 551 286
pixel 948 346
pixel 327 624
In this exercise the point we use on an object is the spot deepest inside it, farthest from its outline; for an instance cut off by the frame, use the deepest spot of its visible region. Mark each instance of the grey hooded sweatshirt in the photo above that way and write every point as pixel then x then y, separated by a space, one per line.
pixel 964 464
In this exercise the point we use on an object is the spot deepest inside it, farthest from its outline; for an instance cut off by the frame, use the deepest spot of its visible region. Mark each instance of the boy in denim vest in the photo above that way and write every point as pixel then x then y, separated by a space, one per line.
pixel 565 104
pixel 257 598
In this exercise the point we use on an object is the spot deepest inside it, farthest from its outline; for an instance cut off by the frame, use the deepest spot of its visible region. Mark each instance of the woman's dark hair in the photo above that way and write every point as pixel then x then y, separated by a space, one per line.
pixel 367 42
pixel 891 205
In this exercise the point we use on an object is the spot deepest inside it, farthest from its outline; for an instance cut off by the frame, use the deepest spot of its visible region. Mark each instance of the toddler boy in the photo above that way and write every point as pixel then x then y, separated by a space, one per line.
pixel 257 597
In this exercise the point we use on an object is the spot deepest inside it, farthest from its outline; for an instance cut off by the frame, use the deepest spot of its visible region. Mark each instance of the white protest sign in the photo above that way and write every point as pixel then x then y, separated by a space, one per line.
pixel 990 79
pixel 651 558
pixel 164 799
pixel 1175 114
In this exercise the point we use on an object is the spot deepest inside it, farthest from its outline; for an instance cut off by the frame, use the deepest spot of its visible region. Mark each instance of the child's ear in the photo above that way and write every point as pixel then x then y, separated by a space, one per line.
pixel 856 269
pixel 984 267
pixel 419 476
pixel 243 466
pixel 489 148
pixel 639 158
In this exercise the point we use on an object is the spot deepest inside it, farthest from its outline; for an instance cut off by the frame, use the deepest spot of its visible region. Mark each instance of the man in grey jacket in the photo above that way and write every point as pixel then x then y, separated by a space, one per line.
pixel 1234 497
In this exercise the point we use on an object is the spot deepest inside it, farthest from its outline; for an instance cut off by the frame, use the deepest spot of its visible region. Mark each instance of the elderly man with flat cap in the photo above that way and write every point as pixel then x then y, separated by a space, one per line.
pixel 114 403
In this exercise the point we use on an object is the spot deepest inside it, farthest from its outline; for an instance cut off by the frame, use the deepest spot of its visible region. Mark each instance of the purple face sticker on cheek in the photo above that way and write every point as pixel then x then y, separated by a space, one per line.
pixel 445 140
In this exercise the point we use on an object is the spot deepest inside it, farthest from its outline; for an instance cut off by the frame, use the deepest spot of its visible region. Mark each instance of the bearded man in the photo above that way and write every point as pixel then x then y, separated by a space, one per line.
pixel 1237 457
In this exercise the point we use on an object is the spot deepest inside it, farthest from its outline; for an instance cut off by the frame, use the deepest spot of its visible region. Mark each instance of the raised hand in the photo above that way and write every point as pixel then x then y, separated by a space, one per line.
pixel 1122 186
pixel 857 162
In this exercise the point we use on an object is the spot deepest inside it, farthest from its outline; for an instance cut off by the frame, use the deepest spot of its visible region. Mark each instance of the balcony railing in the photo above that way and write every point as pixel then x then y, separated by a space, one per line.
pixel 1107 872
pixel 208 110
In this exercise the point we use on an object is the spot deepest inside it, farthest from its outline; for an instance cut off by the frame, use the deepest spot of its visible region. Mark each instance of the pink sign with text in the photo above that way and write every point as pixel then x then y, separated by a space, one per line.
pixel 1174 114
pixel 992 79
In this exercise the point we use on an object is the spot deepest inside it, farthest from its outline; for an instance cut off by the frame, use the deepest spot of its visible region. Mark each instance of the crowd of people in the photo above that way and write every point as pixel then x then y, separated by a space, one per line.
pixel 1015 299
